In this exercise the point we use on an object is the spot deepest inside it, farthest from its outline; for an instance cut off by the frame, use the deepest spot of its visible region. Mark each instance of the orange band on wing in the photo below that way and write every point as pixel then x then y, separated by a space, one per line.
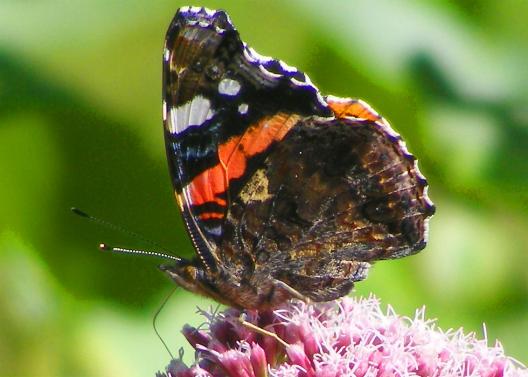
pixel 352 108
pixel 237 150
pixel 211 215
pixel 234 154
pixel 204 187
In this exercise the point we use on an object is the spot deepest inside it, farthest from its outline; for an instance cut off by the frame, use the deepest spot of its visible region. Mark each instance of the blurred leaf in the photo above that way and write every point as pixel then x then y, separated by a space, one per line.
pixel 96 160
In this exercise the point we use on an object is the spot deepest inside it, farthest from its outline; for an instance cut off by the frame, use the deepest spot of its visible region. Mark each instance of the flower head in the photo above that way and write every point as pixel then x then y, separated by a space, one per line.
pixel 348 337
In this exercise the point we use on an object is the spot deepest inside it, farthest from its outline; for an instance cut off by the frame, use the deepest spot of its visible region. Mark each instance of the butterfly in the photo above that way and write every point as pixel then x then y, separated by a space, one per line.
pixel 285 193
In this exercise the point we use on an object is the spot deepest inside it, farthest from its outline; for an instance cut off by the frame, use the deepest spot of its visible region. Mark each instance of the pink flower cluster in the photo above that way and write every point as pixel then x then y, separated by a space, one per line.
pixel 348 337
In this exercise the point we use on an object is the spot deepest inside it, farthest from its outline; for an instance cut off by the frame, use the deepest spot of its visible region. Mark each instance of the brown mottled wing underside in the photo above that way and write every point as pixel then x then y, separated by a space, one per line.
pixel 284 193
pixel 329 199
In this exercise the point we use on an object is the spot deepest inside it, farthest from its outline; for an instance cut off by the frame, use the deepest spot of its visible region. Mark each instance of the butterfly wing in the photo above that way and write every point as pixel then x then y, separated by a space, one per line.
pixel 333 197
pixel 284 193
pixel 225 107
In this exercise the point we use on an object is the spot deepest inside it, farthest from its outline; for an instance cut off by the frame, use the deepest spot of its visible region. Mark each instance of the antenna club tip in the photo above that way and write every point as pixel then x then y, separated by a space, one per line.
pixel 104 247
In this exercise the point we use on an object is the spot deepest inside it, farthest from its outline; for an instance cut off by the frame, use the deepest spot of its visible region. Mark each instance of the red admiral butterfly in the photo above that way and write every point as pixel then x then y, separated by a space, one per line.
pixel 284 193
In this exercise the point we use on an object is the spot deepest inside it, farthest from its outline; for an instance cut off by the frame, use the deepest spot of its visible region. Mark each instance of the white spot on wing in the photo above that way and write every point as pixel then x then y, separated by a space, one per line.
pixel 253 56
pixel 243 108
pixel 332 98
pixel 257 56
pixel 209 12
pixel 215 231
pixel 320 98
pixel 268 73
pixel 229 87
pixel 248 56
pixel 308 81
pixel 193 113
pixel 297 82
pixel 287 68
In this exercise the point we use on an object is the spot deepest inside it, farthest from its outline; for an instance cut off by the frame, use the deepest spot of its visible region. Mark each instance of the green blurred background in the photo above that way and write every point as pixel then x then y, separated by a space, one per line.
pixel 80 124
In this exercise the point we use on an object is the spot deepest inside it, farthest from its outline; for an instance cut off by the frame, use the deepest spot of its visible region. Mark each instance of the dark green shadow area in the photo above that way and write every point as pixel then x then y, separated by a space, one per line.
pixel 100 166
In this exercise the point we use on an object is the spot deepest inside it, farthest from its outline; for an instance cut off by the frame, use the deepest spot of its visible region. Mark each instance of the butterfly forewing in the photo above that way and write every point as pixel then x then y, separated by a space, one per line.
pixel 222 115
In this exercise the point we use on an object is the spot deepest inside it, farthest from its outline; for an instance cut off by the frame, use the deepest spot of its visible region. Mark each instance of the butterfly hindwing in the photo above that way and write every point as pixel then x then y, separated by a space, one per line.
pixel 352 195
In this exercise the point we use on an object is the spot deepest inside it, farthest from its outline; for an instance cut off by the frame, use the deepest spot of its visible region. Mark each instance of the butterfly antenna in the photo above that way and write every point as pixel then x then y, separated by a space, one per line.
pixel 115 227
pixel 155 319
pixel 121 250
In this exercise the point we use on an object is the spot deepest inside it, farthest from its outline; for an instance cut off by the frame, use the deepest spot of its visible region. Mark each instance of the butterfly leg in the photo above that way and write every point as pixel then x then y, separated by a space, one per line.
pixel 292 291
pixel 250 326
